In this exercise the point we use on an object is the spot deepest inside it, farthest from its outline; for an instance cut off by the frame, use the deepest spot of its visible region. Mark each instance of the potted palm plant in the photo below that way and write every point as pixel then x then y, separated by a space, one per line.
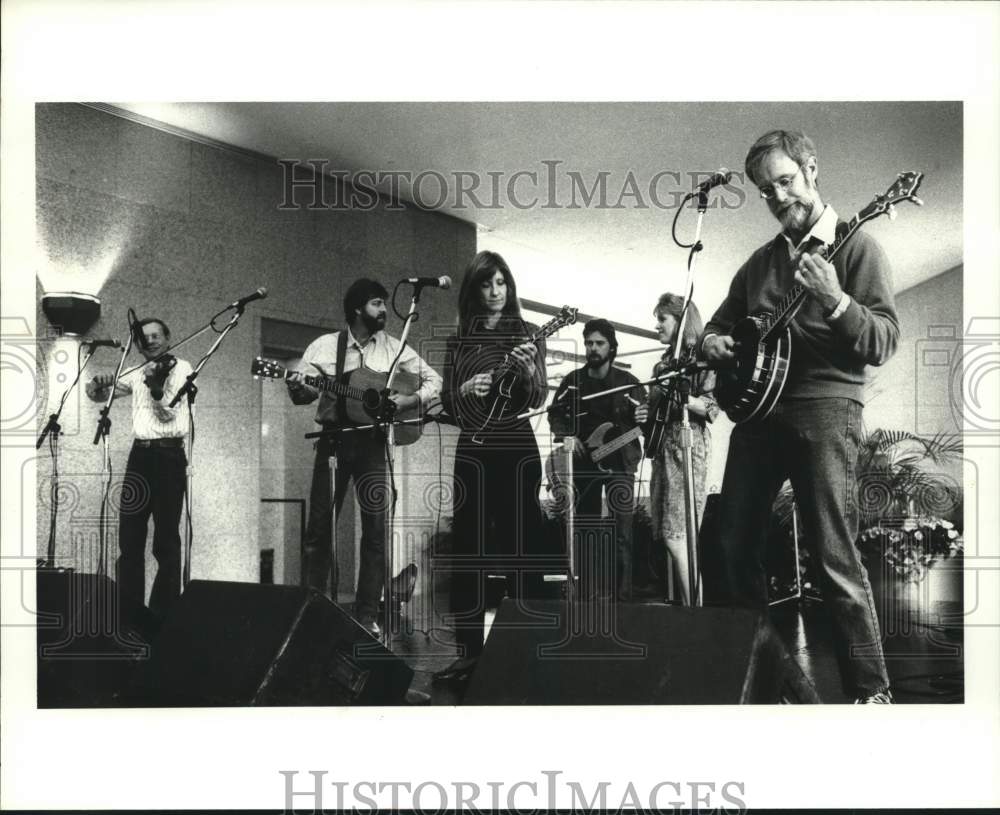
pixel 910 511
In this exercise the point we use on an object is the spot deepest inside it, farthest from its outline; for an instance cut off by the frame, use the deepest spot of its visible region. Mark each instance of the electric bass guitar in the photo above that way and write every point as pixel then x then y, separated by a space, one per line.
pixel 602 443
pixel 750 389
pixel 362 394
pixel 505 375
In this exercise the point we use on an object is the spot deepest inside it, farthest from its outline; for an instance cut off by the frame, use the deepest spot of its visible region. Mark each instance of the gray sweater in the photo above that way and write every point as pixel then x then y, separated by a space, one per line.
pixel 828 357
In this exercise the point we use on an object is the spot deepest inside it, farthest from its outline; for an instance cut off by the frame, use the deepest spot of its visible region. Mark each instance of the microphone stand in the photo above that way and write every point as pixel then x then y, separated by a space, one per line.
pixel 684 389
pixel 389 428
pixel 683 370
pixel 103 429
pixel 190 390
pixel 53 427
pixel 171 348
pixel 426 419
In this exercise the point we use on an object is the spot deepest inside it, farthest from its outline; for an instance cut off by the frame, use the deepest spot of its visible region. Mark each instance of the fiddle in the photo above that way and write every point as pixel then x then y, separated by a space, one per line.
pixel 155 374
pixel 661 399
pixel 665 407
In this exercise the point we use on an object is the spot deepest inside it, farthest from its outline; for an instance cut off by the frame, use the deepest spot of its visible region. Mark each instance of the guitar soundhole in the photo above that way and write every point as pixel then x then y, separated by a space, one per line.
pixel 372 400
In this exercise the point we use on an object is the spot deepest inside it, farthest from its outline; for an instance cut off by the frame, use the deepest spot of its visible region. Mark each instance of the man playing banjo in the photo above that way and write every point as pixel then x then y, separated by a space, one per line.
pixel 847 321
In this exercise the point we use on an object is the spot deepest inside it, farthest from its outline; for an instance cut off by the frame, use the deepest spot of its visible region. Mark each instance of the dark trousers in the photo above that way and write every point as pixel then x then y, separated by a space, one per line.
pixel 814 442
pixel 154 485
pixel 603 572
pixel 361 459
pixel 497 529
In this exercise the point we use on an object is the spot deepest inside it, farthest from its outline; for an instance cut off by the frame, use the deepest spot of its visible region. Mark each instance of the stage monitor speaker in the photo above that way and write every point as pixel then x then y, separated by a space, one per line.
pixel 237 644
pixel 557 653
pixel 86 653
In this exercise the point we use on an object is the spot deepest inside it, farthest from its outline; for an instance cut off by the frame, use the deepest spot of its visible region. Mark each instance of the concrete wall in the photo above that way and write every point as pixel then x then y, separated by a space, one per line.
pixel 913 391
pixel 176 229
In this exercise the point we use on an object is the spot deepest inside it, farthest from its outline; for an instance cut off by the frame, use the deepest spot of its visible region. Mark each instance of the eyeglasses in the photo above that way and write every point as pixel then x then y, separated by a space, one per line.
pixel 784 184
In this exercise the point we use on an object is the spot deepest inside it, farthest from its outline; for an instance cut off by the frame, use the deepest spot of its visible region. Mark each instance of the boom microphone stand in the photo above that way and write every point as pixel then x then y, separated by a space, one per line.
pixel 684 389
pixel 190 390
pixel 55 429
pixel 386 427
pixel 103 429
pixel 389 428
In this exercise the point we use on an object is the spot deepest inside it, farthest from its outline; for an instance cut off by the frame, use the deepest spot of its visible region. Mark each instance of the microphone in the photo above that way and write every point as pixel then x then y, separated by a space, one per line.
pixel 138 335
pixel 260 294
pixel 443 282
pixel 715 180
pixel 103 343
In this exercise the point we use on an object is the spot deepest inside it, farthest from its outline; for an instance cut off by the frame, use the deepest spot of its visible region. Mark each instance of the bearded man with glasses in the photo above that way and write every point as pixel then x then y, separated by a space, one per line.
pixel 847 323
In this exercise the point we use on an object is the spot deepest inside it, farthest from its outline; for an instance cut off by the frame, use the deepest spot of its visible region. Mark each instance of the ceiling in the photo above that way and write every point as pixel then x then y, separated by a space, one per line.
pixel 615 256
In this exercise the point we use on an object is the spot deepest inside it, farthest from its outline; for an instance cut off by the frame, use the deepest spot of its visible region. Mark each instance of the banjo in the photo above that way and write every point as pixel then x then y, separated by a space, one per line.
pixel 750 389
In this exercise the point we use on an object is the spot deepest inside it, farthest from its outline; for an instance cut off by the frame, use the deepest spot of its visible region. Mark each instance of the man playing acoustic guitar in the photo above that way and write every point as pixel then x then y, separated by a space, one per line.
pixel 602 465
pixel 848 321
pixel 360 454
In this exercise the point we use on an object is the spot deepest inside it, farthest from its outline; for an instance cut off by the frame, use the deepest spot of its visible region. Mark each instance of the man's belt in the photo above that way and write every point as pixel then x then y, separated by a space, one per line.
pixel 171 442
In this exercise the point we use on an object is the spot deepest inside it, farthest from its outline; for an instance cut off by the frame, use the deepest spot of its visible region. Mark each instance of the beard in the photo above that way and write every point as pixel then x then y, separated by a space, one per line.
pixel 796 216
pixel 373 324
pixel 596 361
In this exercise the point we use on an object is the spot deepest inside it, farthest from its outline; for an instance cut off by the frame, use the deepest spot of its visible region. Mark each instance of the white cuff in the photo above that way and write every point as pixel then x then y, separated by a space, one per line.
pixel 845 301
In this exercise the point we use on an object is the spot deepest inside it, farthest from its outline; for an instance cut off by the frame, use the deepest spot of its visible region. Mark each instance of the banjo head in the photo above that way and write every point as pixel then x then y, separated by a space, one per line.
pixel 731 381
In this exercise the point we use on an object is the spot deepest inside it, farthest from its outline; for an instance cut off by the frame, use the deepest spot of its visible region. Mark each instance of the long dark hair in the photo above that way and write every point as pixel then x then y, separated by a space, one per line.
pixel 483 267
pixel 673 304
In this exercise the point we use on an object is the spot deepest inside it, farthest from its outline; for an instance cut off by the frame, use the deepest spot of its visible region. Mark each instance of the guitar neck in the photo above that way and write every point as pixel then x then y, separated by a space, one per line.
pixel 616 444
pixel 547 330
pixel 790 304
pixel 324 383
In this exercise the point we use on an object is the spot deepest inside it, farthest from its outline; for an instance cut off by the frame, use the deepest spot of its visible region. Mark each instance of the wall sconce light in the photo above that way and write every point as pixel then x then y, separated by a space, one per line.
pixel 72 312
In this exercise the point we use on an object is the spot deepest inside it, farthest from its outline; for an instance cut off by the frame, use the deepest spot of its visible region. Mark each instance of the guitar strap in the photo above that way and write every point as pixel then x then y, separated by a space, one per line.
pixel 341 376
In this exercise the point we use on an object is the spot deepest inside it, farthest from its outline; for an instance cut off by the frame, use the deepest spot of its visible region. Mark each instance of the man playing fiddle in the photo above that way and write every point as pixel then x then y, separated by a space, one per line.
pixel 155 475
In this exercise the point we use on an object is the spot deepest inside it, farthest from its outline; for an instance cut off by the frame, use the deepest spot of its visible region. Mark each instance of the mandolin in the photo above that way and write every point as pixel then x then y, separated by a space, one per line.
pixel 750 389
pixel 505 375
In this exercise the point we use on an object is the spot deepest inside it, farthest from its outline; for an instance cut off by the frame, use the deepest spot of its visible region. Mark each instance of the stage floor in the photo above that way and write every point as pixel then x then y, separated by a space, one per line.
pixel 924 653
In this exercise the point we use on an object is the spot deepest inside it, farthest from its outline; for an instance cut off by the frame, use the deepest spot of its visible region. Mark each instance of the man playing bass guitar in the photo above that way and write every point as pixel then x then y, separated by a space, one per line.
pixel 848 321
pixel 611 422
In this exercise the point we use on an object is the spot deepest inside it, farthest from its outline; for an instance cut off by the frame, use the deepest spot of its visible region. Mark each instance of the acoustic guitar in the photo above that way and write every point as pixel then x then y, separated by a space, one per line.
pixel 750 389
pixel 362 393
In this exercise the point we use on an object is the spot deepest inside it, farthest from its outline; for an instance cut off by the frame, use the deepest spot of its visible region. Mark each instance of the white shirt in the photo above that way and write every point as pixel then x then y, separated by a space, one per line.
pixel 153 419
pixel 376 354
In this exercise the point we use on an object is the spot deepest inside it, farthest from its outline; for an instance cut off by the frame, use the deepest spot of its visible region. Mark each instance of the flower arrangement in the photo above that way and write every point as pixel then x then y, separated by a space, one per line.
pixel 912 547
pixel 910 512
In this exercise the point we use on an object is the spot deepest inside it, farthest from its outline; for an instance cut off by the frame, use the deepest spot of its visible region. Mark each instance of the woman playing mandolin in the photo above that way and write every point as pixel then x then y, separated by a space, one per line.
pixel 497 518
